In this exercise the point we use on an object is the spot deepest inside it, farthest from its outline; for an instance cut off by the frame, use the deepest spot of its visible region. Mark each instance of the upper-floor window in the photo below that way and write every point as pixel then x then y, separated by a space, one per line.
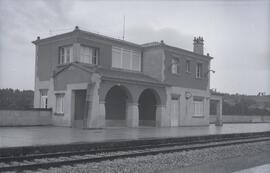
pixel 126 59
pixel 88 55
pixel 199 70
pixel 188 66
pixel 65 54
pixel 175 66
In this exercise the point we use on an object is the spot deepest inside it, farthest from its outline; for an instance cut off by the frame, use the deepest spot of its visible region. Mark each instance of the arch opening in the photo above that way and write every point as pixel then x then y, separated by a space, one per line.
pixel 148 102
pixel 116 106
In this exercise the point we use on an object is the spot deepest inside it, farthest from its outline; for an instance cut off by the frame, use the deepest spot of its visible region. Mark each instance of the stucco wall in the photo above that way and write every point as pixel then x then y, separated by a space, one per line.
pixel 186 106
pixel 185 79
pixel 242 118
pixel 105 50
pixel 48 51
pixel 104 46
pixel 72 75
pixel 48 57
pixel 31 117
pixel 133 90
pixel 152 62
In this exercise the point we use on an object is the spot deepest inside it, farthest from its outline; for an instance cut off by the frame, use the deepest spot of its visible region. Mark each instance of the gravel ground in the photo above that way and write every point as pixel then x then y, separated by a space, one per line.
pixel 156 163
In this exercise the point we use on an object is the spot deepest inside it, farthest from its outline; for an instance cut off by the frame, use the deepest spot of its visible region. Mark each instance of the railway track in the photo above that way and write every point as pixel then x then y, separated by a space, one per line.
pixel 58 159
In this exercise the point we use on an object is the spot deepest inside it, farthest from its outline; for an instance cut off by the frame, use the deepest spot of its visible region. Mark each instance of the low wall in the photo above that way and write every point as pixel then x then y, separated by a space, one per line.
pixel 242 118
pixel 29 117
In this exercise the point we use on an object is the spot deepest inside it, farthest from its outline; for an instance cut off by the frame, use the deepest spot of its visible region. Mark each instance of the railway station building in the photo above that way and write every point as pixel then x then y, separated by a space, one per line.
pixel 94 81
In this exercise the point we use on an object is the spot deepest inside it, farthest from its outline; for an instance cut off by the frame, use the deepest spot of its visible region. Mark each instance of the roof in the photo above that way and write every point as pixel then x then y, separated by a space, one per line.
pixel 116 74
pixel 74 64
pixel 60 36
pixel 113 74
pixel 166 46
pixel 146 45
pixel 151 44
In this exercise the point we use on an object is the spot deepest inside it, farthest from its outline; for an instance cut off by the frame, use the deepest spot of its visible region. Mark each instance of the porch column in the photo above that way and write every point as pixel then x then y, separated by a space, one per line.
pixel 219 113
pixel 206 107
pixel 96 109
pixel 132 115
pixel 161 120
pixel 97 119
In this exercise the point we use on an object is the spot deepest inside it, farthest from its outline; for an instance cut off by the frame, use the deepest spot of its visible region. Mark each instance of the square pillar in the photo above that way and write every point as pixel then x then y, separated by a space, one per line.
pixel 96 108
pixel 161 119
pixel 219 113
pixel 97 119
pixel 132 115
pixel 206 108
pixel 101 115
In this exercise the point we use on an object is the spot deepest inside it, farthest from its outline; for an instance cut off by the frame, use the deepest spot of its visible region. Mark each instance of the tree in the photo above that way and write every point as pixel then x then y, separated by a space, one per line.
pixel 16 99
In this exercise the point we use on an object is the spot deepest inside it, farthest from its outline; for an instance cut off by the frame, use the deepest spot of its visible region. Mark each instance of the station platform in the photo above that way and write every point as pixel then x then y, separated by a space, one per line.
pixel 50 135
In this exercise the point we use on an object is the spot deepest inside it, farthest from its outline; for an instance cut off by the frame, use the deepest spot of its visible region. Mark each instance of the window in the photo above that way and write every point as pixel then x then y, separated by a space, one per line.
pixel 136 61
pixel 199 70
pixel 44 98
pixel 88 55
pixel 96 56
pixel 65 55
pixel 126 59
pixel 116 57
pixel 198 107
pixel 60 103
pixel 175 66
pixel 188 66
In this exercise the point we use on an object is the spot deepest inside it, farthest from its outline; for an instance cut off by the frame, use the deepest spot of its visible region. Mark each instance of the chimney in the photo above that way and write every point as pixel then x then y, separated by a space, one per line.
pixel 76 28
pixel 198 45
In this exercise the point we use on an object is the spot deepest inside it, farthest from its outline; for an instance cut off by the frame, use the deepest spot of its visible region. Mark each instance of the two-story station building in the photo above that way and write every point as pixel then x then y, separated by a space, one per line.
pixel 93 81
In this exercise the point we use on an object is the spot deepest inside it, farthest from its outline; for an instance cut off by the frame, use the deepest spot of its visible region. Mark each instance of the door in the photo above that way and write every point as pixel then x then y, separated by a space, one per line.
pixel 174 112
pixel 79 111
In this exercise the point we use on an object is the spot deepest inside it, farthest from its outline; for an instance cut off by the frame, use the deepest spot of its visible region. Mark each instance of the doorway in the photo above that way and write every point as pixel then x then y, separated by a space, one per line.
pixel 175 111
pixel 80 109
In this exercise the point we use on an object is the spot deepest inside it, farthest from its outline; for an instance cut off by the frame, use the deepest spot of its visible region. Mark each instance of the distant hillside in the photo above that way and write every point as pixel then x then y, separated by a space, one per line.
pixel 236 104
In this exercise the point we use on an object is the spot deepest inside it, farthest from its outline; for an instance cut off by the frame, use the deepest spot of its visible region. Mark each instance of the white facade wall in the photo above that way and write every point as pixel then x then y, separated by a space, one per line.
pixel 96 116
pixel 186 106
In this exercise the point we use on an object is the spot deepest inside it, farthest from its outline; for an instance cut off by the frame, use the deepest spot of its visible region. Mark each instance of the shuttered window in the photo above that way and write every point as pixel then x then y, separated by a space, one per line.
pixel 116 57
pixel 136 61
pixel 126 59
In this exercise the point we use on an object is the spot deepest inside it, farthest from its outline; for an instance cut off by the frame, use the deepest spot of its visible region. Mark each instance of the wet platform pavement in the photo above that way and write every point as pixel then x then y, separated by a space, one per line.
pixel 50 135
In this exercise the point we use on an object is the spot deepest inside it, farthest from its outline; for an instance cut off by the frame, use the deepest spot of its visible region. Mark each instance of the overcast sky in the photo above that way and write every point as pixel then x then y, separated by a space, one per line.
pixel 236 34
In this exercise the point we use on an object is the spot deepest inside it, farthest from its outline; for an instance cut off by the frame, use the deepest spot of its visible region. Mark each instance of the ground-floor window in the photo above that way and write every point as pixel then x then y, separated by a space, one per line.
pixel 44 98
pixel 198 107
pixel 59 103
